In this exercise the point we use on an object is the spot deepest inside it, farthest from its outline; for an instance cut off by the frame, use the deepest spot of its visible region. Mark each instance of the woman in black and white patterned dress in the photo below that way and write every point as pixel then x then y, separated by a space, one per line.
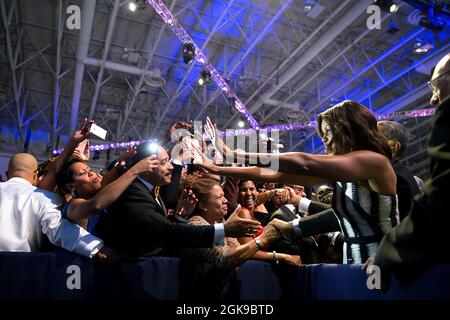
pixel 358 163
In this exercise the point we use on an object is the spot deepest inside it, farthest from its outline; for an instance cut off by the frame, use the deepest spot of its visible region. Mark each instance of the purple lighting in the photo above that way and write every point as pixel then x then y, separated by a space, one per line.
pixel 108 146
pixel 167 16
pixel 278 127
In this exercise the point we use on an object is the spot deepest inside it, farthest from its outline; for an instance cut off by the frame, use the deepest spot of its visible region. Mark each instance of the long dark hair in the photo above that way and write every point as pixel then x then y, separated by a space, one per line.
pixel 354 128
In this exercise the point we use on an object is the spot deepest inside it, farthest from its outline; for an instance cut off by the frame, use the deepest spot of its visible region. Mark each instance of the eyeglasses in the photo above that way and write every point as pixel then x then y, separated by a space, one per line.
pixel 437 82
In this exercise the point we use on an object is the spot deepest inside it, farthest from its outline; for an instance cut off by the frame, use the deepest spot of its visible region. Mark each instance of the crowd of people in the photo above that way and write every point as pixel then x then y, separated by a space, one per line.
pixel 365 207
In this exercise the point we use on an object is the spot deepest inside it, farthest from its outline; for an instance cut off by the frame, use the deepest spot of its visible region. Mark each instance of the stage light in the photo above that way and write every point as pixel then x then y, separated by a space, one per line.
pixel 387 5
pixel 205 77
pixel 241 124
pixel 393 8
pixel 308 6
pixel 188 52
pixel 431 21
pixel 132 6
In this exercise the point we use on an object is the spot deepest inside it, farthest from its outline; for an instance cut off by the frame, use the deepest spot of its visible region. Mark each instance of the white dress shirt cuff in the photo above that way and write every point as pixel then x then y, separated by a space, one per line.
pixel 90 245
pixel 177 162
pixel 297 230
pixel 219 235
pixel 303 205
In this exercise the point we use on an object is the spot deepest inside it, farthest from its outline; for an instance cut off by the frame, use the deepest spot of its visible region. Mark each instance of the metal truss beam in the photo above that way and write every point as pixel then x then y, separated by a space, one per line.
pixel 109 33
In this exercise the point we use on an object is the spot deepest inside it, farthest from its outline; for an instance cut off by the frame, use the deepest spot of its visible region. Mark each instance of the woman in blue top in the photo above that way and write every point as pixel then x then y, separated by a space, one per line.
pixel 90 199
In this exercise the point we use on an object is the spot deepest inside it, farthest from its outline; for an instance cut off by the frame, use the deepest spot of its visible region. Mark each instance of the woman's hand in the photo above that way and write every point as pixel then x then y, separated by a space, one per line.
pixel 147 165
pixel 186 203
pixel 214 135
pixel 80 139
pixel 200 159
pixel 83 132
pixel 82 151
pixel 127 154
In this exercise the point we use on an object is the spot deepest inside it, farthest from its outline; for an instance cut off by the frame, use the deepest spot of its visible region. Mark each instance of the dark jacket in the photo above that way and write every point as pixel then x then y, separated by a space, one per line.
pixel 406 189
pixel 420 240
pixel 137 225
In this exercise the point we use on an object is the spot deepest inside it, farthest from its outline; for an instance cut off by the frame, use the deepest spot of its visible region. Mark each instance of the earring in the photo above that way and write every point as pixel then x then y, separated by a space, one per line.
pixel 73 194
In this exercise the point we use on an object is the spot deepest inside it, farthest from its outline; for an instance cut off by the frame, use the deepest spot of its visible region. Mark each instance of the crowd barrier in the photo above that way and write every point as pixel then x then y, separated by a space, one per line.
pixel 66 276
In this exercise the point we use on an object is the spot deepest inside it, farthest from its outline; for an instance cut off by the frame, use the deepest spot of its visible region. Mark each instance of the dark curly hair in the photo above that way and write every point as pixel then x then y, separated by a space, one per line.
pixel 65 176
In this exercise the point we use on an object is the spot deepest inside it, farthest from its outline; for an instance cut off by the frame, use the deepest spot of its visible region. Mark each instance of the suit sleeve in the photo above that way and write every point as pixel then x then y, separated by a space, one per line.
pixel 322 222
pixel 316 207
pixel 143 221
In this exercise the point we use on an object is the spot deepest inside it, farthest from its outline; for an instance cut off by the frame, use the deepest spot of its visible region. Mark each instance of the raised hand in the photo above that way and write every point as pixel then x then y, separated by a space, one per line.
pixel 83 132
pixel 186 203
pixel 82 151
pixel 80 141
pixel 214 135
pixel 147 165
pixel 175 134
pixel 237 227
pixel 127 154
pixel 200 159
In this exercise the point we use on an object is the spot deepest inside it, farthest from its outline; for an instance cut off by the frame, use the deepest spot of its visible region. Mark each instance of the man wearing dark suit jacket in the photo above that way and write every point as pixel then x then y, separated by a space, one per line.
pixel 420 240
pixel 397 137
pixel 136 224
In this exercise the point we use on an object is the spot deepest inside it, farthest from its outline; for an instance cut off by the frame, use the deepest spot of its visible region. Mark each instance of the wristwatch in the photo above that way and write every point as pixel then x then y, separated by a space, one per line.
pixel 259 243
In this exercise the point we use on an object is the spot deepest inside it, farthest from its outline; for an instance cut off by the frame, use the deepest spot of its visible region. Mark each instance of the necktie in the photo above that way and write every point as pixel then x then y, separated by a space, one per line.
pixel 155 192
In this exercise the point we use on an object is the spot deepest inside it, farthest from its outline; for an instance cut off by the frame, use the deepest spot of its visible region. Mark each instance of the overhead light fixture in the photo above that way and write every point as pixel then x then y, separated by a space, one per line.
pixel 132 6
pixel 431 21
pixel 387 5
pixel 312 8
pixel 421 47
pixel 154 79
pixel 205 77
pixel 309 4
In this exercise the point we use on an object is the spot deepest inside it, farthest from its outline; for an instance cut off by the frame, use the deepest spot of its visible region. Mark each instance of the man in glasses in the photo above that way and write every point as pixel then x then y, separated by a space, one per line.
pixel 421 239
pixel 440 83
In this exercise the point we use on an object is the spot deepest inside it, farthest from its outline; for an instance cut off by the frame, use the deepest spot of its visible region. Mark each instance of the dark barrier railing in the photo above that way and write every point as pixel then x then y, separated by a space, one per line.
pixel 67 276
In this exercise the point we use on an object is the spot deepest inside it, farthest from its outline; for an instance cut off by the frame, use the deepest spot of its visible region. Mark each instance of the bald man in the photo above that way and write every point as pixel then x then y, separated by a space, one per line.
pixel 421 239
pixel 27 213
pixel 440 83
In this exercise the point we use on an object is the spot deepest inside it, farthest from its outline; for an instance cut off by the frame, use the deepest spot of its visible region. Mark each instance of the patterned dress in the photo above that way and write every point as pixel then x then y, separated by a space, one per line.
pixel 364 216
pixel 218 256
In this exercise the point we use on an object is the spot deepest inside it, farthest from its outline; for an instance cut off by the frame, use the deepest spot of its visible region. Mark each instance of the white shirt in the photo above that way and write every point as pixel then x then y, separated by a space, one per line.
pixel 219 229
pixel 303 206
pixel 27 213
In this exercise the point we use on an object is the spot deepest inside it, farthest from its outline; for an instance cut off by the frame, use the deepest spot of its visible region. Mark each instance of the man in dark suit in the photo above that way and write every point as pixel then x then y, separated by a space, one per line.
pixel 420 240
pixel 136 224
pixel 397 138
